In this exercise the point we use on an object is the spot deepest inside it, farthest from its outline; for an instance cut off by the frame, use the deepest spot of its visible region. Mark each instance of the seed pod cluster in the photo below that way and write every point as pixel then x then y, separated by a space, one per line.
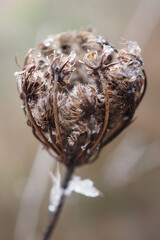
pixel 79 93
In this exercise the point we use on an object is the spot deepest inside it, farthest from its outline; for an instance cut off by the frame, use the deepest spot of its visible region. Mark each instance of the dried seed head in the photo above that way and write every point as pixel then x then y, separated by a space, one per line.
pixel 79 93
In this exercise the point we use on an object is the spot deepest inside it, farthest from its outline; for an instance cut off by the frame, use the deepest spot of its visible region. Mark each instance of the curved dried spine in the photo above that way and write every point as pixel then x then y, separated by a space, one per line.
pixel 97 68
pixel 37 128
pixel 38 138
pixel 49 112
pixel 104 86
pixel 44 145
pixel 17 61
pixel 58 72
pixel 55 111
pixel 53 143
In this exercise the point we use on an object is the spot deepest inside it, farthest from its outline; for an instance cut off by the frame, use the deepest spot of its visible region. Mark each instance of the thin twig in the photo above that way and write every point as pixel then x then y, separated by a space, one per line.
pixel 32 197
pixel 55 216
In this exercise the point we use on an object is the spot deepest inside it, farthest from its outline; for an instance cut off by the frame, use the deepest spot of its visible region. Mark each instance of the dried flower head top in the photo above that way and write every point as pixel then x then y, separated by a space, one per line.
pixel 79 93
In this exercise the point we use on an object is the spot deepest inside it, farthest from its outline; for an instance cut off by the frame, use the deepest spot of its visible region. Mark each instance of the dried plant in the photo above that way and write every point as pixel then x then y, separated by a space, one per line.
pixel 78 94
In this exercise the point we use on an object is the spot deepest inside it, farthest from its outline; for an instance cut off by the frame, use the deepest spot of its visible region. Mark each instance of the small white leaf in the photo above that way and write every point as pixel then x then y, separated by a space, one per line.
pixel 56 191
pixel 85 187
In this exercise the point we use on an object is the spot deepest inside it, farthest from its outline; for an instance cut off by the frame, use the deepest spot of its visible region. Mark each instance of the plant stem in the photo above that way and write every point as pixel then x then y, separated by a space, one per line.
pixel 55 216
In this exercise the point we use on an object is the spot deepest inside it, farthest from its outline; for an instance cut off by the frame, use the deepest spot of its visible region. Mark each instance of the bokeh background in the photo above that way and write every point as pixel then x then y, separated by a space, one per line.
pixel 128 169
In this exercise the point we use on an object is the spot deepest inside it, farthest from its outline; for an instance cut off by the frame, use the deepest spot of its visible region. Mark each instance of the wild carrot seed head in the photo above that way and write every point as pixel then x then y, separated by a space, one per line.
pixel 79 93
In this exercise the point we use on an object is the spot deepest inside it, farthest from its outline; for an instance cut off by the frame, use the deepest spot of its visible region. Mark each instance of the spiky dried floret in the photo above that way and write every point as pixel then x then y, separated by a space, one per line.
pixel 79 92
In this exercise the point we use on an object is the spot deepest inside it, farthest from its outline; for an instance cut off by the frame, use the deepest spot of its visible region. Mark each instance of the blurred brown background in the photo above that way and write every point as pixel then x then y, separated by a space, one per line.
pixel 128 170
